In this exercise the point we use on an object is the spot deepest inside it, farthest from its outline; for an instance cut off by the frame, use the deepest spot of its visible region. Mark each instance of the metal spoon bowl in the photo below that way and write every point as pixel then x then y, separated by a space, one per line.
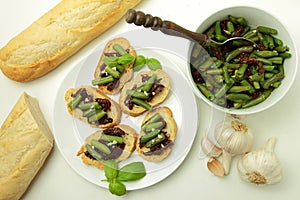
pixel 170 28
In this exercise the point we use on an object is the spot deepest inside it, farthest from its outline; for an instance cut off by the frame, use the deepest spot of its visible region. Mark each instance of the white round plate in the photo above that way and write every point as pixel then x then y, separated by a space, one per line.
pixel 70 133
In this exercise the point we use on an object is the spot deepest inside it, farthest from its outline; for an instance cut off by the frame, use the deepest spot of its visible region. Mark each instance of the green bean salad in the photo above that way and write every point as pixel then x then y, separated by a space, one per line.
pixel 239 74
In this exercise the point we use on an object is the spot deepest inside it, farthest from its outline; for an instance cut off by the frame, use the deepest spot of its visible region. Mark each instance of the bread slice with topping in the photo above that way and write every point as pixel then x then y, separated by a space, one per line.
pixel 157 91
pixel 114 49
pixel 157 135
pixel 116 143
pixel 93 107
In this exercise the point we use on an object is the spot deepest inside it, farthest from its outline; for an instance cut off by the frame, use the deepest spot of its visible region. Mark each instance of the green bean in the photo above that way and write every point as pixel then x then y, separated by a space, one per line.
pixel 137 94
pixel 102 80
pixel 232 65
pixel 205 91
pixel 238 97
pixel 101 147
pixel 120 68
pixel 206 65
pixel 211 81
pixel 269 67
pixel 155 141
pixel 258 100
pixel 230 27
pixel 112 72
pixel 89 113
pixel 91 105
pixel 250 34
pixel 241 71
pixel 118 48
pixel 214 71
pixel 277 41
pixel 276 60
pixel 282 49
pixel 148 85
pixel 218 63
pixel 266 30
pixel 246 83
pixel 218 27
pixel 98 115
pixel 221 92
pixel 225 74
pixel 142 103
pixel 276 84
pixel 264 61
pixel 75 101
pixel 256 85
pixel 93 152
pixel 269 75
pixel 238 89
pixel 112 138
pixel 242 21
pixel 273 79
pixel 232 19
pixel 266 53
pixel 285 55
pixel 238 51
pixel 145 138
pixel 155 125
pixel 154 118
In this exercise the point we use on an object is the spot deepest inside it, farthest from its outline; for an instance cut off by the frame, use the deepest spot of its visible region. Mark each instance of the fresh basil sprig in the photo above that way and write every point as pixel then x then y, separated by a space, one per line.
pixel 152 63
pixel 115 176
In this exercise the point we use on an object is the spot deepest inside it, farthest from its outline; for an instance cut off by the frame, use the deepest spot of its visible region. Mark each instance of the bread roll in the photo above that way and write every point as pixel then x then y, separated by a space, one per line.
pixel 57 35
pixel 128 71
pixel 25 143
pixel 129 138
pixel 163 149
pixel 158 98
pixel 113 114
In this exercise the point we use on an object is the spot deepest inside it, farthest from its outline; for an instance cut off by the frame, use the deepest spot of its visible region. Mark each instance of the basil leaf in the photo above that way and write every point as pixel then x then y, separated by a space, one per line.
pixel 110 60
pixel 117 188
pixel 131 172
pixel 153 64
pixel 139 63
pixel 111 170
pixel 126 59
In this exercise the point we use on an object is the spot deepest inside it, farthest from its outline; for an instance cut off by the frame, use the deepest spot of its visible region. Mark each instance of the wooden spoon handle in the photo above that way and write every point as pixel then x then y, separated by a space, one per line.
pixel 170 28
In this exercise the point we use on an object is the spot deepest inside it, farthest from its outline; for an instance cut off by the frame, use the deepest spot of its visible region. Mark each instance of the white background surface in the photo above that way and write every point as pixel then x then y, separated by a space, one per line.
pixel 191 180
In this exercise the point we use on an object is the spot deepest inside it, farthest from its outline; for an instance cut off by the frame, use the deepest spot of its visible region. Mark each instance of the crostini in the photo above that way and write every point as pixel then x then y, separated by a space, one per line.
pixel 115 66
pixel 157 135
pixel 146 91
pixel 93 107
pixel 116 143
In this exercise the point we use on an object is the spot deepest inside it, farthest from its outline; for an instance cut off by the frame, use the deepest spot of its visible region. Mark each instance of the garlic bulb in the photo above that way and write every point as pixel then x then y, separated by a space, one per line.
pixel 261 166
pixel 234 137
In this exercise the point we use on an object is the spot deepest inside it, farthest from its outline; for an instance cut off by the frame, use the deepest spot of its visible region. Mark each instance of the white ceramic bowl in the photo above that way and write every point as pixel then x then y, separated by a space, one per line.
pixel 254 17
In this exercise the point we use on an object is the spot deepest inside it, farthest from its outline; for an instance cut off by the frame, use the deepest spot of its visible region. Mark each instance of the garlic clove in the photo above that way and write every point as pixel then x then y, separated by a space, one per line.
pixel 215 167
pixel 226 161
pixel 261 166
pixel 208 148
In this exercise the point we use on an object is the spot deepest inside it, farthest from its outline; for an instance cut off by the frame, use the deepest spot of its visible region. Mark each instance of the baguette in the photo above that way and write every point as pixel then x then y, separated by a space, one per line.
pixel 162 79
pixel 57 35
pixel 119 151
pixel 161 150
pixel 117 84
pixel 25 143
pixel 90 94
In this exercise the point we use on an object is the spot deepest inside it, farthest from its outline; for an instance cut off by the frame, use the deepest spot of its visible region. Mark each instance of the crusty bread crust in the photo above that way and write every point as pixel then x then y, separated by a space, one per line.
pixel 114 112
pixel 129 139
pixel 170 128
pixel 25 143
pixel 57 35
pixel 126 75
pixel 158 98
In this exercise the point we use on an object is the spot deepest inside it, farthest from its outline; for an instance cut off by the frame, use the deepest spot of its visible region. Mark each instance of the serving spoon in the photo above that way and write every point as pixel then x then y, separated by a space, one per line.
pixel 170 28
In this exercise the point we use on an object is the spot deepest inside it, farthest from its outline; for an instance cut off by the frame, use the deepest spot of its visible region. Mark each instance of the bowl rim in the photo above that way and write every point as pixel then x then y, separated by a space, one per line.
pixel 253 109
